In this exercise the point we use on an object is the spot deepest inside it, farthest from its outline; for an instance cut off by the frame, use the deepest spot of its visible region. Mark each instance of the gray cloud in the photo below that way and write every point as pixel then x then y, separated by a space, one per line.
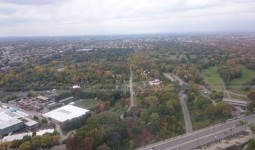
pixel 7 11
pixel 32 2
pixel 55 17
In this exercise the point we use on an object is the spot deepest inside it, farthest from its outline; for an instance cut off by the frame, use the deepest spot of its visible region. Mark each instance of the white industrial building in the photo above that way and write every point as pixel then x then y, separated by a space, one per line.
pixel 65 113
pixel 155 82
pixel 10 126
pixel 12 120
pixel 29 123
pixel 21 135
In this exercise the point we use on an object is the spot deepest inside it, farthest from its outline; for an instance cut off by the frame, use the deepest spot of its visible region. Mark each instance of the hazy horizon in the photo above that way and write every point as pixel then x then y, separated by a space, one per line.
pixel 126 17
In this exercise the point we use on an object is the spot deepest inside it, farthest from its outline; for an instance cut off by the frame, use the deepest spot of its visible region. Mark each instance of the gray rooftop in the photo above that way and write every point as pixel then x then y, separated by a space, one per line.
pixel 8 123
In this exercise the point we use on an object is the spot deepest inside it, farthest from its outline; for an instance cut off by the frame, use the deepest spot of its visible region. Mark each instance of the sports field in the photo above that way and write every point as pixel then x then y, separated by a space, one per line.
pixel 87 103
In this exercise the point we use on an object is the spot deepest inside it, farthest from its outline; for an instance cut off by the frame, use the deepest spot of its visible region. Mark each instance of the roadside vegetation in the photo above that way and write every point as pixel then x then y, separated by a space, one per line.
pixel 35 142
pixel 203 113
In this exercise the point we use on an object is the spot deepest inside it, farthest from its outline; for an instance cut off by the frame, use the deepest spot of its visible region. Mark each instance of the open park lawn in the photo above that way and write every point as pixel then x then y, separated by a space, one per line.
pixel 211 78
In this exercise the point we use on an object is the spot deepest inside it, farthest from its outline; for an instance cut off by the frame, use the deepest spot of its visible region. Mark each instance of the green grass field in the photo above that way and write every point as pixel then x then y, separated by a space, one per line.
pixel 121 111
pixel 236 84
pixel 87 103
pixel 211 78
pixel 238 97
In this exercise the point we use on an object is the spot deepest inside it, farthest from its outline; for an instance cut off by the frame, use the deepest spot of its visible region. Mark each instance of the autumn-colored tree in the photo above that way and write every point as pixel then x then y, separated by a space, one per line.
pixel 88 142
pixel 101 107
pixel 98 72
pixel 127 101
pixel 5 145
pixel 46 140
pixel 71 143
pixel 103 147
pixel 55 138
pixel 25 146
pixel 36 141
pixel 251 95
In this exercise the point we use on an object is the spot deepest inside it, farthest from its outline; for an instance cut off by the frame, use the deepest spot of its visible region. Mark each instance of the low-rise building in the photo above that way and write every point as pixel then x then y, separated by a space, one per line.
pixel 21 135
pixel 76 87
pixel 67 100
pixel 42 99
pixel 64 113
pixel 54 105
pixel 30 124
pixel 10 126
pixel 12 120
pixel 155 82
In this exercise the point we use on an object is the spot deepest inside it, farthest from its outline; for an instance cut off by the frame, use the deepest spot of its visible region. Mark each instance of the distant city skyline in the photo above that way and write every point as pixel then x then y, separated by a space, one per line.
pixel 110 17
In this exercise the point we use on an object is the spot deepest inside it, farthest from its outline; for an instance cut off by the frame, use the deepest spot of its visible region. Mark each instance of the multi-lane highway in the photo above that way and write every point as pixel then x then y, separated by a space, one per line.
pixel 204 136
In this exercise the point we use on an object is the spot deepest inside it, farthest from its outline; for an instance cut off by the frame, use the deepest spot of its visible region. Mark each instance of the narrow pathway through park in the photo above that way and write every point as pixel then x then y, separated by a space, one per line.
pixel 188 124
pixel 224 86
pixel 182 96
pixel 132 103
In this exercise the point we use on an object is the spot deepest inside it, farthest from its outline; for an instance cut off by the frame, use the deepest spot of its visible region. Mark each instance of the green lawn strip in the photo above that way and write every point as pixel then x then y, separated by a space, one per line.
pixel 172 57
pixel 121 111
pixel 205 123
pixel 247 75
pixel 238 97
pixel 211 78
pixel 192 56
pixel 181 121
pixel 225 95
pixel 200 124
pixel 237 84
pixel 87 103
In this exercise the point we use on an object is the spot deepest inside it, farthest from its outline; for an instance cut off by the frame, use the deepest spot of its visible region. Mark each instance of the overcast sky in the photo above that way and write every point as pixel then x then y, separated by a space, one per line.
pixel 95 17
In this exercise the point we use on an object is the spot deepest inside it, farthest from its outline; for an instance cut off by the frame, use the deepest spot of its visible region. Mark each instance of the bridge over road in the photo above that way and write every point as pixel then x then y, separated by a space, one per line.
pixel 235 102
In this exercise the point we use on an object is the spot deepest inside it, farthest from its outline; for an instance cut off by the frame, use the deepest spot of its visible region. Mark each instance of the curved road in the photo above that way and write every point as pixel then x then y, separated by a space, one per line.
pixel 182 96
pixel 188 124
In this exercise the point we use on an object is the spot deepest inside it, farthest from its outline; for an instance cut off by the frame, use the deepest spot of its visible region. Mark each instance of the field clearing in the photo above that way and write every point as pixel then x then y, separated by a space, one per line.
pixel 238 97
pixel 192 56
pixel 87 103
pixel 237 84
pixel 121 111
pixel 211 78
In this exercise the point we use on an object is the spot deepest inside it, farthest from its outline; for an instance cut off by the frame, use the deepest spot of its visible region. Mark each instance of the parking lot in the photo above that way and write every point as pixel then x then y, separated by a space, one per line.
pixel 36 104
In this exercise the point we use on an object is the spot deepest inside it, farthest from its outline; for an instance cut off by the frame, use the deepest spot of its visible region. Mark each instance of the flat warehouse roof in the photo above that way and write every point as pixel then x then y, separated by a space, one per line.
pixel 9 123
pixel 66 112
pixel 16 137
pixel 21 135
pixel 7 114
